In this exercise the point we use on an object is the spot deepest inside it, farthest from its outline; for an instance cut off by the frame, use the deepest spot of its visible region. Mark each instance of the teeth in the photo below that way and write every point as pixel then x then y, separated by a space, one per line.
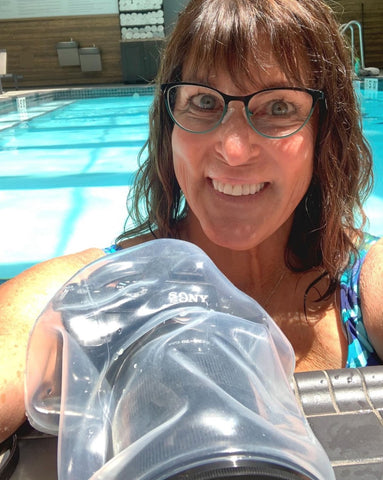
pixel 237 190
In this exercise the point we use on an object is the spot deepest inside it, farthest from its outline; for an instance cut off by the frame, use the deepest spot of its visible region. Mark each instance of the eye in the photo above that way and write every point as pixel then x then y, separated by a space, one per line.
pixel 205 101
pixel 279 104
pixel 281 107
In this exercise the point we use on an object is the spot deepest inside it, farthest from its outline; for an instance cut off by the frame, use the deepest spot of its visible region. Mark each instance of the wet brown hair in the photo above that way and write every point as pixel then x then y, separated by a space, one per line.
pixel 306 43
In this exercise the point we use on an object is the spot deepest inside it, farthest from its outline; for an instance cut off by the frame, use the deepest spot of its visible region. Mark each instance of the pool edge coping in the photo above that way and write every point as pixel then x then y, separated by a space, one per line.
pixel 8 101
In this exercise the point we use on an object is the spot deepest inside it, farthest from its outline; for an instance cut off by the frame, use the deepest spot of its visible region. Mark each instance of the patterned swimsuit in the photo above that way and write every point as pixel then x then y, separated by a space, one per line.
pixel 360 351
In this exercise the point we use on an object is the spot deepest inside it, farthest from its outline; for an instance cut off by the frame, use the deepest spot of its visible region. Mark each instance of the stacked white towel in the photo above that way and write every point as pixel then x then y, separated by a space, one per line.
pixel 136 33
pixel 150 18
pixel 139 5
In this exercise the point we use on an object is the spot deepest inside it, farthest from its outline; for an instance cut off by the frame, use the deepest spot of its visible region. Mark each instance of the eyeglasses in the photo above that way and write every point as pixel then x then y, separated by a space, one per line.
pixel 273 112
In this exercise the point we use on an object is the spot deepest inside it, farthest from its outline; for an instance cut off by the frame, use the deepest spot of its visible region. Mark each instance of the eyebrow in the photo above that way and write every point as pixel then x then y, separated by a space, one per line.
pixel 263 86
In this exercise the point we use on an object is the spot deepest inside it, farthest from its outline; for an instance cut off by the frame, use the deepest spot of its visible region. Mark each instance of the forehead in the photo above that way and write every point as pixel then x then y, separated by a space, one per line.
pixel 260 69
pixel 268 76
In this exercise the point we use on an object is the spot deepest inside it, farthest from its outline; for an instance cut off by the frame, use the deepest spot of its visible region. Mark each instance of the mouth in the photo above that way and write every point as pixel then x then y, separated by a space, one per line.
pixel 237 190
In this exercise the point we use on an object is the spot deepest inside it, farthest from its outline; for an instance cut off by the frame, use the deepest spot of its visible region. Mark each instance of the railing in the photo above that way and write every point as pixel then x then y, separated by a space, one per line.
pixel 351 25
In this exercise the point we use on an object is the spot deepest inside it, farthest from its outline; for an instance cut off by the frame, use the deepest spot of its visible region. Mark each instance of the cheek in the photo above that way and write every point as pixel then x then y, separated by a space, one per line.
pixel 184 144
pixel 297 164
pixel 298 152
pixel 185 157
pixel 179 155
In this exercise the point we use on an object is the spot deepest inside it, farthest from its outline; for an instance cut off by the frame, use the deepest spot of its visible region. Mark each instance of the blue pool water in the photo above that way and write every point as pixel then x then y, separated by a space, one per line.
pixel 66 168
pixel 65 175
pixel 372 109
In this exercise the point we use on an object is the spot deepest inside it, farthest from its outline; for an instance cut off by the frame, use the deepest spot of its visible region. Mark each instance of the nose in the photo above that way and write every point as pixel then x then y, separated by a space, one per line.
pixel 237 140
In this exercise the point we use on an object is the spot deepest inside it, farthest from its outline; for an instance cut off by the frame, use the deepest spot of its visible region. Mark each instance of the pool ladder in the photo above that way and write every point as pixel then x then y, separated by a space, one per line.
pixel 351 26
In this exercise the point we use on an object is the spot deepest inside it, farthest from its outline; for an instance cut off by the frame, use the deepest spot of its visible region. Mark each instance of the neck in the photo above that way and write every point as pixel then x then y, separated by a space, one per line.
pixel 255 271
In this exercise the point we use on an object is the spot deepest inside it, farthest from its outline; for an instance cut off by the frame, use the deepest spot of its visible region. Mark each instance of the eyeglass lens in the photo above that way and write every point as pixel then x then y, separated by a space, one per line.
pixel 273 113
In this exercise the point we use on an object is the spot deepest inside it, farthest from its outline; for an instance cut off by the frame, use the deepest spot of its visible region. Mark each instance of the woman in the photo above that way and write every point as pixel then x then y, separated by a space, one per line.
pixel 256 155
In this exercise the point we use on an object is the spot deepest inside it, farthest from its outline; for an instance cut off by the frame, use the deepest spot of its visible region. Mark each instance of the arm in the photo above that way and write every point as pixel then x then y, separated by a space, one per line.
pixel 21 301
pixel 371 291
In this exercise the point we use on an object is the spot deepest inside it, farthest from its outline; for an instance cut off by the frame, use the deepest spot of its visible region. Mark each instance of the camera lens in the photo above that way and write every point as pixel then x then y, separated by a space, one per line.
pixel 252 471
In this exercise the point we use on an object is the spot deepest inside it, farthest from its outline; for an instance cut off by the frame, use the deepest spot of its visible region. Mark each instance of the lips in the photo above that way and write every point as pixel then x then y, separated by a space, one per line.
pixel 237 190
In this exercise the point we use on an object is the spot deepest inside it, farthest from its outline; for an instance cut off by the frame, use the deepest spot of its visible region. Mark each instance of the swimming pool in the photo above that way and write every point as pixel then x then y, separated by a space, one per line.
pixel 67 163
pixel 66 166
pixel 372 109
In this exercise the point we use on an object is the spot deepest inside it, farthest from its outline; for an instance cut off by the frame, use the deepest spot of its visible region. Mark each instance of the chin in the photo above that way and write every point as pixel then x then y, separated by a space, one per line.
pixel 239 242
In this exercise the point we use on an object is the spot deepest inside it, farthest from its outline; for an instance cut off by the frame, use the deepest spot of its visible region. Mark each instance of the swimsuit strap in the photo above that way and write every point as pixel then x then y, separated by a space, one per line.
pixel 112 249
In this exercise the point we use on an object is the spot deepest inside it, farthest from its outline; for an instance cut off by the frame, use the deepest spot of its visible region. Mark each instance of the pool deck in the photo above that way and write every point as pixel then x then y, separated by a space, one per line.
pixel 10 95
pixel 31 90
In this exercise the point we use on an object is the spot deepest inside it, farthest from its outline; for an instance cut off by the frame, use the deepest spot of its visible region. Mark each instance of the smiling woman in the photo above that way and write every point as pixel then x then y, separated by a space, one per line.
pixel 256 155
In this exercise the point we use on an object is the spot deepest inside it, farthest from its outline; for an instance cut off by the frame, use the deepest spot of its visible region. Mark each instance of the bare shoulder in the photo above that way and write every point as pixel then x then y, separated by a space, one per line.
pixel 371 278
pixel 23 297
pixel 371 291
pixel 21 301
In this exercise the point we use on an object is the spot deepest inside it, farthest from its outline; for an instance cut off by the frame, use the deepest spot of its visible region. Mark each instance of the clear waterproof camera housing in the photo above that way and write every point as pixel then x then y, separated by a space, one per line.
pixel 150 365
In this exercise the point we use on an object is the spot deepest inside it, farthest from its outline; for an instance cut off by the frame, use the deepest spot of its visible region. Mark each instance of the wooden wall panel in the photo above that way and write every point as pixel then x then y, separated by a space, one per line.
pixel 31 47
pixel 370 14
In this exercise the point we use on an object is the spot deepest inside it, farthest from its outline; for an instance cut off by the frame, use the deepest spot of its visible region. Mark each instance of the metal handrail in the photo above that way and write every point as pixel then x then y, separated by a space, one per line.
pixel 351 25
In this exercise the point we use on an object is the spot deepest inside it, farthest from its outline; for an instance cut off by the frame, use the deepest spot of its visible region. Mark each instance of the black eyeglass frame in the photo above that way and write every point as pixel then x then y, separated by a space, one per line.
pixel 316 95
